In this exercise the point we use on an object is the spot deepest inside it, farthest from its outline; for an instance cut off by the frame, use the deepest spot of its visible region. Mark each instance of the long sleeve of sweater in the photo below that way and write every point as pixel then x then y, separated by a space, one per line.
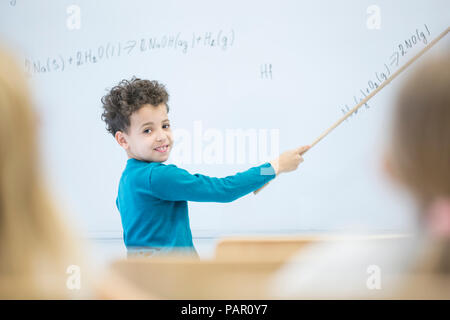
pixel 169 182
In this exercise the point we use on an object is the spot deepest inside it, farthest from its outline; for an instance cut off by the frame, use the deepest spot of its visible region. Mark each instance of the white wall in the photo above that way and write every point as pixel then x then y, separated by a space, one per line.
pixel 322 53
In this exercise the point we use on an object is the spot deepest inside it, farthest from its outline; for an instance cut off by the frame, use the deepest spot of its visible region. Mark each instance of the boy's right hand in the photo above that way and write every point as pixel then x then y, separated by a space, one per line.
pixel 289 160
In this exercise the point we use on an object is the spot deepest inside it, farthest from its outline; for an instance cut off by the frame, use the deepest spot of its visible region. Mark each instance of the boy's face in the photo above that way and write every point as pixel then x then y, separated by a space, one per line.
pixel 149 129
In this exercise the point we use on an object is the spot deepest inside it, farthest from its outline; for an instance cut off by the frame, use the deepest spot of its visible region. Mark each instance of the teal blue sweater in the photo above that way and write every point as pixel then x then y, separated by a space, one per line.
pixel 152 200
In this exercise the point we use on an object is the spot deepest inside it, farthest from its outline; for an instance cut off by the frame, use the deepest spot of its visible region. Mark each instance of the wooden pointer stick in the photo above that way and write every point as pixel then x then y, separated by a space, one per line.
pixel 386 82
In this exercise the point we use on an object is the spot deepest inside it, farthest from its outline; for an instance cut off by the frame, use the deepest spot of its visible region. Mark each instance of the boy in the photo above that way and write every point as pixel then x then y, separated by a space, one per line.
pixel 152 197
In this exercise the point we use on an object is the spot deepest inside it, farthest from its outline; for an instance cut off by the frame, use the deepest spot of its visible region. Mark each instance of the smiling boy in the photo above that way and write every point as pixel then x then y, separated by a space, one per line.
pixel 152 196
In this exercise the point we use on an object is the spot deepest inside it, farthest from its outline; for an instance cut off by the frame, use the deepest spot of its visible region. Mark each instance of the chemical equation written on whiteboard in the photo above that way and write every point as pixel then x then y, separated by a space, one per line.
pixel 420 36
pixel 112 50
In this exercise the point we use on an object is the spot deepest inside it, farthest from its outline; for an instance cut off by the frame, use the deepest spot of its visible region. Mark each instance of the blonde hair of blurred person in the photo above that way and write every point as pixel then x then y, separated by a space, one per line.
pixel 36 246
pixel 417 160
pixel 418 157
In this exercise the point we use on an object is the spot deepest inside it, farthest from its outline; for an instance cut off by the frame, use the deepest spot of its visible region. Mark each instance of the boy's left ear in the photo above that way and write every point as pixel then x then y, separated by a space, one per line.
pixel 121 139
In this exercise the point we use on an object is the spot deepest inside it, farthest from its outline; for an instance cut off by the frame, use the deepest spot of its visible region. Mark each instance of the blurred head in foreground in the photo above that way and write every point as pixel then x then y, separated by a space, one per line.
pixel 418 157
pixel 36 247
pixel 394 266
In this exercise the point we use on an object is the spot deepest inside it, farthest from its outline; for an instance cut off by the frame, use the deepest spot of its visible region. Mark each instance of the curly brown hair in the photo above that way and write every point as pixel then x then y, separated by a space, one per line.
pixel 128 97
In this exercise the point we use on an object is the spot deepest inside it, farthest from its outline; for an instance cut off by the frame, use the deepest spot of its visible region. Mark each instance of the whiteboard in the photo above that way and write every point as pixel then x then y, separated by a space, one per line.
pixel 282 71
